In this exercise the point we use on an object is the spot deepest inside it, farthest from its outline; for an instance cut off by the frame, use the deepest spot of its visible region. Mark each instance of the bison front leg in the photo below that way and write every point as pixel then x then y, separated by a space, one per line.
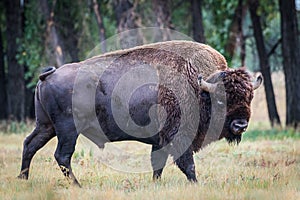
pixel 158 161
pixel 186 164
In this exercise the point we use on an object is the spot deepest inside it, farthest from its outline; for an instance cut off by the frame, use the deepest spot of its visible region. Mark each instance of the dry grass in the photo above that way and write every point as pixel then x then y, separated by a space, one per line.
pixel 253 170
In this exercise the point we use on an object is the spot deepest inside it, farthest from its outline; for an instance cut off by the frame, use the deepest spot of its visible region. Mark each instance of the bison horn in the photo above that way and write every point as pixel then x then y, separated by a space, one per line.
pixel 208 87
pixel 257 82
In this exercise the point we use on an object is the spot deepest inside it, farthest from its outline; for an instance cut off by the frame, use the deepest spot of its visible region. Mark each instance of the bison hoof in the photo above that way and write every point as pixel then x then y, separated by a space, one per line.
pixel 193 180
pixel 76 183
pixel 22 176
pixel 156 178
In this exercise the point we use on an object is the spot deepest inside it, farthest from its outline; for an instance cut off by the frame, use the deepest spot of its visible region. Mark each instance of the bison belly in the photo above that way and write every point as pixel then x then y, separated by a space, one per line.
pixel 128 111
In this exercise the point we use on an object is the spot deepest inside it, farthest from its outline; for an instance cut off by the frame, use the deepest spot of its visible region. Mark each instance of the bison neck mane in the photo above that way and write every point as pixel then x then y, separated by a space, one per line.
pixel 204 120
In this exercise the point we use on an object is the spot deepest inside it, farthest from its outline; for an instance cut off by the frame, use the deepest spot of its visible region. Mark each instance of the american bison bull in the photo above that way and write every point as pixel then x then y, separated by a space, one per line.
pixel 182 96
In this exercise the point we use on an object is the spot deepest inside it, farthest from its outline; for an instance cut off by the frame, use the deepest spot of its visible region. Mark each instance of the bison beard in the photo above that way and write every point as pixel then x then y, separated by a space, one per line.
pixel 233 139
pixel 55 112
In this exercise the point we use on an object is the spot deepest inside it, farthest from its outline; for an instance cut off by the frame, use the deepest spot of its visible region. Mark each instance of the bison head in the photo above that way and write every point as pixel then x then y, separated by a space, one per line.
pixel 237 87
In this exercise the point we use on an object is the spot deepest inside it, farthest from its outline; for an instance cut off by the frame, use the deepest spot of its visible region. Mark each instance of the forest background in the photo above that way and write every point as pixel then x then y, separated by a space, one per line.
pixel 261 35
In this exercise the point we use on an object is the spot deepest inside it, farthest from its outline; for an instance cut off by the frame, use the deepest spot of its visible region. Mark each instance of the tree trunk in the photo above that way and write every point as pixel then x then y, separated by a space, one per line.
pixel 15 72
pixel 3 97
pixel 53 43
pixel 264 63
pixel 198 30
pixel 291 61
pixel 102 37
pixel 127 23
pixel 241 38
pixel 66 30
pixel 236 36
pixel 29 98
pixel 162 12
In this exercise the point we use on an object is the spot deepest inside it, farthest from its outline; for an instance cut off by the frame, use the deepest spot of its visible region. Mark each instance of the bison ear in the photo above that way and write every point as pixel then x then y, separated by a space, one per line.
pixel 208 87
pixel 258 81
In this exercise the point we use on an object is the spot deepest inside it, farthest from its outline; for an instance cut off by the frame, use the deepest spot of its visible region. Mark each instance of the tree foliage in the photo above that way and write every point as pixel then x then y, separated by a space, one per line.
pixel 218 17
pixel 30 51
pixel 77 26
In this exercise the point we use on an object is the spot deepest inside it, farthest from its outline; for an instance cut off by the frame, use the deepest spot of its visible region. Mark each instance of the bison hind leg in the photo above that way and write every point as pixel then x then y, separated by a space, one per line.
pixel 65 148
pixel 36 140
pixel 63 156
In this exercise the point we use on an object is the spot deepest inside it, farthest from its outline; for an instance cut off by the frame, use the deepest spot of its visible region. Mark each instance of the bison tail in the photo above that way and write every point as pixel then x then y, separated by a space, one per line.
pixel 46 72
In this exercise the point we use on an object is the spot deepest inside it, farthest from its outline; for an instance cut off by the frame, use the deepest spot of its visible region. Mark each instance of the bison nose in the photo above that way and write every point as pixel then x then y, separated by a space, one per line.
pixel 238 126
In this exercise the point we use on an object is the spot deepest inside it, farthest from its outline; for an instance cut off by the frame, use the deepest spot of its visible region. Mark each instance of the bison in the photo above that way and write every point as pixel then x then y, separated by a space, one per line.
pixel 177 96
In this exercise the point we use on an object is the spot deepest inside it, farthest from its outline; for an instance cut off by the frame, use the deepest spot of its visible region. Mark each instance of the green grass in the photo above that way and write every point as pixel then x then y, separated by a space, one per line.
pixel 266 165
pixel 271 134
pixel 13 127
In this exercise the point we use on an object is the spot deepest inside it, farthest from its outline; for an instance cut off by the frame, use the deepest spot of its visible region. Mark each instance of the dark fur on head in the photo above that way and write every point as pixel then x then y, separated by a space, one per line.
pixel 239 94
pixel 239 91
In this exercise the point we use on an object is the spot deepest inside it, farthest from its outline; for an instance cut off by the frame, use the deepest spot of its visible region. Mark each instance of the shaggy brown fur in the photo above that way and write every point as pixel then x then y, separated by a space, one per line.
pixel 206 59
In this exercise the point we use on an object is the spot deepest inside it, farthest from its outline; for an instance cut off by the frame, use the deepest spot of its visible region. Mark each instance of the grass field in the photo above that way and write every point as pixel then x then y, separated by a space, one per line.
pixel 266 165
pixel 259 168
